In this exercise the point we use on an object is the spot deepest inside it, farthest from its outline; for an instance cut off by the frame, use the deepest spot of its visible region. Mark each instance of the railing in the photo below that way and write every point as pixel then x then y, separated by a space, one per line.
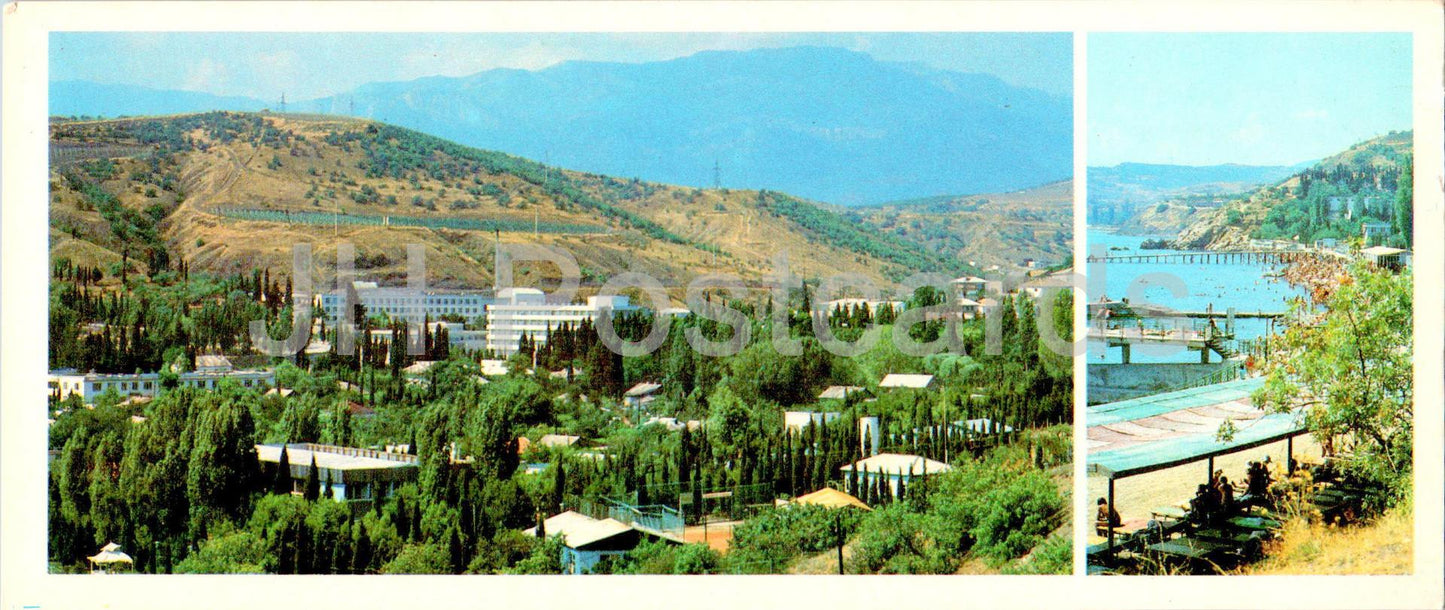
pixel 664 520
pixel 1231 371
pixel 357 452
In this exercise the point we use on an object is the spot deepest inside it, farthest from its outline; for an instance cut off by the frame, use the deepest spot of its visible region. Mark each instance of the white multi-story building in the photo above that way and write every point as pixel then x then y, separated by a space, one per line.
pixel 90 385
pixel 398 302
pixel 525 311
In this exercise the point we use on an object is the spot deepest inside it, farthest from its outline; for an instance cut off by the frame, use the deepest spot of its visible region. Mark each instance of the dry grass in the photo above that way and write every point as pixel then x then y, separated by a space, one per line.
pixel 238 174
pixel 1385 546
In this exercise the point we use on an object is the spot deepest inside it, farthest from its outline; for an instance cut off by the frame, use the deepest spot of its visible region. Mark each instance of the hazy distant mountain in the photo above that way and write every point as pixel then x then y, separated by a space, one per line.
pixel 1119 193
pixel 824 123
pixel 1161 176
pixel 82 98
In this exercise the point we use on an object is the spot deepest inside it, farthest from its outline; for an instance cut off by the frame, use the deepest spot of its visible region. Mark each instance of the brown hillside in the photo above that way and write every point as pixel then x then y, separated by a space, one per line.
pixel 231 192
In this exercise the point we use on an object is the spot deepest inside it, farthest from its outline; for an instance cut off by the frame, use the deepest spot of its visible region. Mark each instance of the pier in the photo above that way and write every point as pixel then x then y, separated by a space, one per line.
pixel 1202 341
pixel 1223 257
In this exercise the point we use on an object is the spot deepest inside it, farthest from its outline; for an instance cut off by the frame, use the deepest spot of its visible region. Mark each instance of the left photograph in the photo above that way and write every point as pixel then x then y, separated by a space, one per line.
pixel 560 303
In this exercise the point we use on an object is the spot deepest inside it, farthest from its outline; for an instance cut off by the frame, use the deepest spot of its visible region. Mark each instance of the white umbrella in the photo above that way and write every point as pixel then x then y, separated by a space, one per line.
pixel 110 554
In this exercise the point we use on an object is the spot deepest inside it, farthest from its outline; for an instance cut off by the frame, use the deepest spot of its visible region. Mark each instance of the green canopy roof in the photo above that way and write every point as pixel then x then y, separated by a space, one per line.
pixel 1151 433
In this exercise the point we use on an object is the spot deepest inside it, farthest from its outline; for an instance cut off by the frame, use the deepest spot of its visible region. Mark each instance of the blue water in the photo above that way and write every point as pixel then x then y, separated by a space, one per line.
pixel 1243 286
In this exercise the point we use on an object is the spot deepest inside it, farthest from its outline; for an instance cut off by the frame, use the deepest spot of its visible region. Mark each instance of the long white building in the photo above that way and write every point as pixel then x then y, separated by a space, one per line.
pixel 525 311
pixel 399 302
pixel 207 376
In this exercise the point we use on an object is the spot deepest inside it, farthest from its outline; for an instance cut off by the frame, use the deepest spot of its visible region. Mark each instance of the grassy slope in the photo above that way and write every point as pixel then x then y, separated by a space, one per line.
pixel 673 233
pixel 1384 546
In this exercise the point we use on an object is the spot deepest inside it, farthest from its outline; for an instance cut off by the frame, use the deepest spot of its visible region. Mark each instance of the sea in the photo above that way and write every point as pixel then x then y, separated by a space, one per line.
pixel 1243 286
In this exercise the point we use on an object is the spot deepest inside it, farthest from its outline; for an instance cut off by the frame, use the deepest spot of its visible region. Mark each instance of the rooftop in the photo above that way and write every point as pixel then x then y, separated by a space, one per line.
pixel 336 458
pixel 898 463
pixel 643 389
pixel 839 392
pixel 831 498
pixel 1151 433
pixel 1377 251
pixel 899 380
pixel 558 440
pixel 578 530
pixel 212 361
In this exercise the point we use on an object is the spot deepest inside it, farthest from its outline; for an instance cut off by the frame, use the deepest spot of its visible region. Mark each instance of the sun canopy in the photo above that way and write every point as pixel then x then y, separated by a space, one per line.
pixel 1151 433
pixel 831 498
pixel 111 553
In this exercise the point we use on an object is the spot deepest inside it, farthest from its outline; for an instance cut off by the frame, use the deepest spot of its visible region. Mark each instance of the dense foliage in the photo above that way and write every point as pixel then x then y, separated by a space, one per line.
pixel 1333 202
pixel 1351 376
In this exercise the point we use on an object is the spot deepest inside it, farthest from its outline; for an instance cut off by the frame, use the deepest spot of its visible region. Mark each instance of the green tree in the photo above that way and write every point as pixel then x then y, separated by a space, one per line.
pixel 419 559
pixel 282 482
pixel 239 552
pixel 1405 203
pixel 1350 377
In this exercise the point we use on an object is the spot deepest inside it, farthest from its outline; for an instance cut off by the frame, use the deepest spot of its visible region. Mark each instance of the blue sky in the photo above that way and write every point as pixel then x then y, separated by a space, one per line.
pixel 1257 99
pixel 309 65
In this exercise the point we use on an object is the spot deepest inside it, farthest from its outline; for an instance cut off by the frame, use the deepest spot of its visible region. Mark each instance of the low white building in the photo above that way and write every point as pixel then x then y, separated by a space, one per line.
pixel 893 467
pixel 353 474
pixel 66 382
pixel 795 421
pixel 525 311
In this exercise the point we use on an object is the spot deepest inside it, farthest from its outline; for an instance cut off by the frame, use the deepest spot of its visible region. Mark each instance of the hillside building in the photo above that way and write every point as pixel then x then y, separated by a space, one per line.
pixel 525 311
pixel 1375 232
pixel 893 468
pixel 406 303
pixel 795 421
pixel 355 476
pixel 66 382
pixel 587 540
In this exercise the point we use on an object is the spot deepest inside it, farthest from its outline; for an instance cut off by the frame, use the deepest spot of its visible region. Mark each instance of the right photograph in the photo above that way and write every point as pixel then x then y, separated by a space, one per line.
pixel 1250 309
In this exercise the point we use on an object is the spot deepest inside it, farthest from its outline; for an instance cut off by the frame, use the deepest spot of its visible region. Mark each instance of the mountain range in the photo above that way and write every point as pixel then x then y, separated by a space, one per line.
pixel 822 123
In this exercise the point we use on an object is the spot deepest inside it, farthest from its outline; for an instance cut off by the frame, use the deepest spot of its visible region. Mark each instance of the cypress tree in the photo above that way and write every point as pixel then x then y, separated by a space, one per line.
pixel 282 483
pixel 559 485
pixel 454 551
pixel 313 482
pixel 361 559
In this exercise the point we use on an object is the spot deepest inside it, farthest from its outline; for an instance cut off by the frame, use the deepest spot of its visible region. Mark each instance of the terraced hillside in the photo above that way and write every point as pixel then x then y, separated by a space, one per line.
pixel 228 192
pixel 997 229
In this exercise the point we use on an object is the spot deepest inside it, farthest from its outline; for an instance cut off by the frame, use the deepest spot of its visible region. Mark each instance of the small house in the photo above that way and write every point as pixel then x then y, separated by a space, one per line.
pixel 641 395
pixel 587 540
